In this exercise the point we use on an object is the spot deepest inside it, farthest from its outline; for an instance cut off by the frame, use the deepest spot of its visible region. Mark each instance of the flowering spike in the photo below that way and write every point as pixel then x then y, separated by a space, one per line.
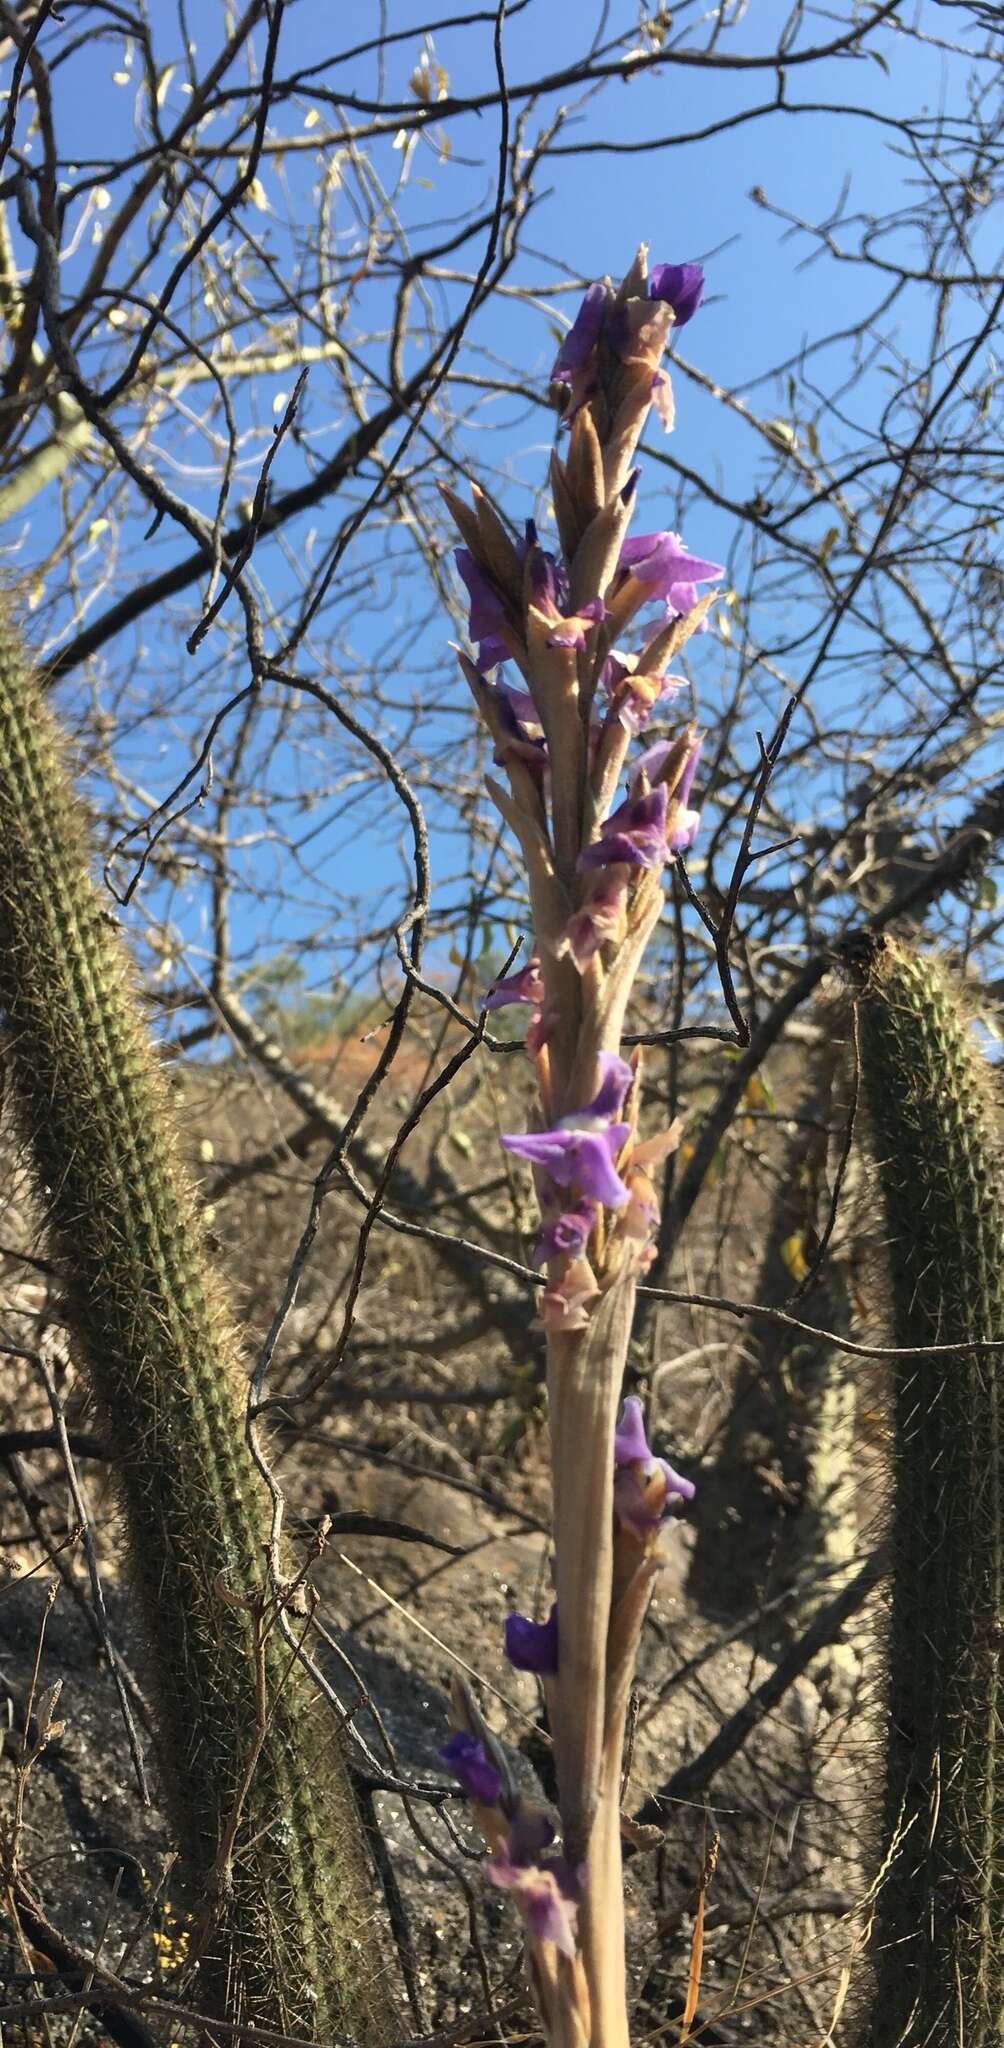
pixel 594 854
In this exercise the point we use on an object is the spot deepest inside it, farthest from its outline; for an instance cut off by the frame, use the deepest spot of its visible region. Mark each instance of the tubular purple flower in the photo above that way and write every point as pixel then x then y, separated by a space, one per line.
pixel 487 623
pixel 635 833
pixel 680 285
pixel 651 762
pixel 547 1893
pixel 567 1233
pixel 572 631
pixel 549 595
pixel 547 582
pixel 634 694
pixel 661 561
pixel 524 987
pixel 581 1149
pixel 521 704
pixel 645 1487
pixel 601 919
pixel 615 1080
pixel 465 1756
pixel 583 1159
pixel 532 1645
pixel 509 704
pixel 631 1443
pixel 583 336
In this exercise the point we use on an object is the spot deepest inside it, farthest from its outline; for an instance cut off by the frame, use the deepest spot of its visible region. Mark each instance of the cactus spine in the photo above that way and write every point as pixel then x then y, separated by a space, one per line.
pixel 940 1915
pixel 292 1940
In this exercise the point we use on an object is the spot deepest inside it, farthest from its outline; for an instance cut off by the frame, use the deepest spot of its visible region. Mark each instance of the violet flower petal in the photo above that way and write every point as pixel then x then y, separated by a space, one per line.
pixel 635 833
pixel 582 1158
pixel 639 1504
pixel 677 1487
pixel 651 761
pixel 547 1906
pixel 631 1444
pixel 582 336
pixel 521 703
pixel 524 987
pixel 544 580
pixel 532 1645
pixel 574 630
pixel 662 560
pixel 616 1077
pixel 681 285
pixel 487 612
pixel 465 1756
pixel 549 1915
pixel 567 1234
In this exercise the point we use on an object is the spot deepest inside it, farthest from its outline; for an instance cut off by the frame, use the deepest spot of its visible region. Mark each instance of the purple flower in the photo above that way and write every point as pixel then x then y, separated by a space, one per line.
pixel 634 834
pixel 572 629
pixel 568 1234
pixel 651 763
pixel 631 1444
pixel 466 1758
pixel 681 285
pixel 661 561
pixel 581 1149
pixel 549 595
pixel 524 987
pixel 582 337
pixel 633 693
pixel 548 1894
pixel 615 1080
pixel 601 920
pixel 532 1645
pixel 582 1158
pixel 521 704
pixel 645 1487
pixel 488 622
pixel 510 708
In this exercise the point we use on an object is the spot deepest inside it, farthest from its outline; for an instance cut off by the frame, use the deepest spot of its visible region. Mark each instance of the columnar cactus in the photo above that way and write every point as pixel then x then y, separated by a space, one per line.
pixel 275 1851
pixel 939 1937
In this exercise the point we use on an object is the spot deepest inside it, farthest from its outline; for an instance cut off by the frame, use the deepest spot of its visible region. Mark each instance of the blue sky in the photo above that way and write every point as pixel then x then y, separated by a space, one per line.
pixel 765 301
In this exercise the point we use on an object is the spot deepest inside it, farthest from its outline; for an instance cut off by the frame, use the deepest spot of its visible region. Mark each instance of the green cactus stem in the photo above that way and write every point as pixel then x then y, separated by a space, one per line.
pixel 291 1940
pixel 939 1937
